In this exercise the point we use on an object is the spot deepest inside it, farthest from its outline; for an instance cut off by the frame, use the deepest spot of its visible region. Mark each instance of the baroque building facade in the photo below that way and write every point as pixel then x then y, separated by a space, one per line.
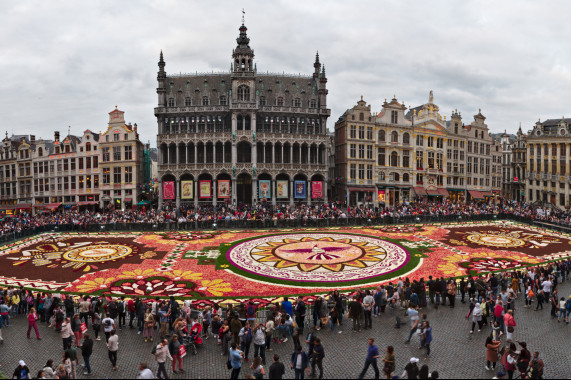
pixel 397 156
pixel 548 174
pixel 242 136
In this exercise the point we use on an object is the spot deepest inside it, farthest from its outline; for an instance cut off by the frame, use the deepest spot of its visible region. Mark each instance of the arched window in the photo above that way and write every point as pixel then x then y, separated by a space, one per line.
pixel 243 93
pixel 280 101
pixel 381 176
pixel 396 177
pixel 394 137
pixel 405 177
pixel 187 102
pixel 382 137
pixel 394 159
pixel 40 152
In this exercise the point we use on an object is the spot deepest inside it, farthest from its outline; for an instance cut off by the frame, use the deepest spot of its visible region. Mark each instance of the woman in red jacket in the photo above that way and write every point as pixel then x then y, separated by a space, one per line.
pixel 32 318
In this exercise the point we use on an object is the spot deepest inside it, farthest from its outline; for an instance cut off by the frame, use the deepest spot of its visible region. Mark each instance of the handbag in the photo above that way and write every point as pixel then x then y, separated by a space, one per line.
pixel 324 320
pixel 228 364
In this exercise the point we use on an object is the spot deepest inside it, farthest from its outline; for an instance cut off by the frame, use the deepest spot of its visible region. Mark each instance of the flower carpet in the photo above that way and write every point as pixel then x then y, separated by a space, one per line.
pixel 212 266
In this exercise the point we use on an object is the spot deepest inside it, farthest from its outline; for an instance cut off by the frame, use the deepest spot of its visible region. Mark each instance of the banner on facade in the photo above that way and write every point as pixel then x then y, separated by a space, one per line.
pixel 300 189
pixel 223 188
pixel 382 196
pixel 168 190
pixel 316 189
pixel 205 189
pixel 187 189
pixel 264 190
pixel 282 190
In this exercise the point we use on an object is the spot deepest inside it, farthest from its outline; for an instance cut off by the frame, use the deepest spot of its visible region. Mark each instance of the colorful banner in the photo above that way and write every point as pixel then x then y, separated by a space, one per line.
pixel 300 189
pixel 282 189
pixel 223 188
pixel 316 189
pixel 382 196
pixel 168 190
pixel 205 189
pixel 264 190
pixel 187 189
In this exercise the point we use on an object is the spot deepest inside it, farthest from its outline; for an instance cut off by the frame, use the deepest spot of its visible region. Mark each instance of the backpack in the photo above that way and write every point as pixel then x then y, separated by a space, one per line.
pixel 59 316
pixel 113 308
pixel 121 307
pixel 154 350
pixel 251 311
pixel 30 300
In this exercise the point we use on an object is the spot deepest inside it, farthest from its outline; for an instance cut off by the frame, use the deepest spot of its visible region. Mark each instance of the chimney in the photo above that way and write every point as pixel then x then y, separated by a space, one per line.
pixel 56 136
pixel 135 128
pixel 32 140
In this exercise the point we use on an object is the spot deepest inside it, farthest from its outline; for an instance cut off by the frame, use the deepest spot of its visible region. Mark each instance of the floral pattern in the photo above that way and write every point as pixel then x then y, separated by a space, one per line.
pixel 194 265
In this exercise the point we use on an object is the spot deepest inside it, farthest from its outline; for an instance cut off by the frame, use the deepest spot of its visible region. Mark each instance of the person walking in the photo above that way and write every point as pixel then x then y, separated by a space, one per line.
pixel 84 310
pixel 389 363
pixel 22 371
pixel 426 338
pixel 372 356
pixel 299 363
pixel 96 322
pixel 368 303
pixel 32 323
pixel 257 368
pixel 277 369
pixel 161 355
pixel 414 322
pixel 66 333
pixel 108 327
pixel 451 290
pixel 316 357
pixel 300 313
pixel 86 352
pixel 510 324
pixel 235 359
pixel 76 328
pixel 145 372
pixel 113 347
pixel 476 318
pixel 174 350
pixel 149 329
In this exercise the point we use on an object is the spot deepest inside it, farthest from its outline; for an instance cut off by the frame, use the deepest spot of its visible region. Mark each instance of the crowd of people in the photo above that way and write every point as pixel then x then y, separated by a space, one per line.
pixel 264 212
pixel 491 307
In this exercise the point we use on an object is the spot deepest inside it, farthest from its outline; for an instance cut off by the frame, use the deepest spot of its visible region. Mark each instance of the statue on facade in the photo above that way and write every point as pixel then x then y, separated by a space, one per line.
pixel 254 136
pixel 234 170
pixel 255 171
pixel 430 97
pixel 233 135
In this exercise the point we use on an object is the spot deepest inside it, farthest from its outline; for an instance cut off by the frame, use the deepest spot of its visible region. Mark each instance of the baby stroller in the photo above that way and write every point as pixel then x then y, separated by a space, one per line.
pixel 193 340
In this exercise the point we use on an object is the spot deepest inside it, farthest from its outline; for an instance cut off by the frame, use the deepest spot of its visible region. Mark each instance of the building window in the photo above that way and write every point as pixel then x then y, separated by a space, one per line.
pixel 297 102
pixel 352 171
pixel 280 101
pixel 394 137
pixel 362 116
pixel 406 158
pixel 353 132
pixel 369 152
pixel 405 177
pixel 369 172
pixel 361 151
pixel 382 176
pixel 394 117
pixel 353 151
pixel 128 153
pixel 419 179
pixel 117 175
pixel 106 176
pixel 116 153
pixel 361 133
pixel 129 174
pixel 361 171
pixel 205 100
pixel 430 159
pixel 431 142
pixel 381 161
pixel 382 136
pixel 439 161
pixel 105 155
pixel 419 140
pixel 171 102
pixel 223 100
pixel 406 139
pixel 394 159
pixel 312 103
pixel 116 137
pixel 243 93
pixel 187 102
pixel 262 100
pixel 419 163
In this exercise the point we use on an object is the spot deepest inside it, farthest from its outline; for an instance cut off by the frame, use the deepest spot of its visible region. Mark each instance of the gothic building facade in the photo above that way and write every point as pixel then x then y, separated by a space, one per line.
pixel 242 136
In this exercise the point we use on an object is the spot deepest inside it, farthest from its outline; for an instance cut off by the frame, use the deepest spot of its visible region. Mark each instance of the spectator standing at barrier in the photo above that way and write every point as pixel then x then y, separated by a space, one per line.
pixel 368 303
pixel 355 310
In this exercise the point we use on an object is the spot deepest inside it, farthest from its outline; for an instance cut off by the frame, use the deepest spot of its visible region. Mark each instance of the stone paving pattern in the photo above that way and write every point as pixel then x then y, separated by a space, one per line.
pixel 455 353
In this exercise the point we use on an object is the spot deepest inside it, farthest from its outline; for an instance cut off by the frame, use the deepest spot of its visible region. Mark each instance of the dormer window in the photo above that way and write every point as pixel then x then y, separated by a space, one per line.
pixel 394 117
pixel 262 100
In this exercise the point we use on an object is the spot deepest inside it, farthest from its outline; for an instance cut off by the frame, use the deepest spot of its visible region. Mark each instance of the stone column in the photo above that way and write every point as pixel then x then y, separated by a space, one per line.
pixel 291 193
pixel 308 193
pixel 196 193
pixel 234 195
pixel 214 152
pixel 177 190
pixel 254 154
pixel 254 189
pixel 186 154
pixel 160 195
pixel 274 194
pixel 325 195
pixel 195 155
pixel 214 193
pixel 291 154
pixel 273 153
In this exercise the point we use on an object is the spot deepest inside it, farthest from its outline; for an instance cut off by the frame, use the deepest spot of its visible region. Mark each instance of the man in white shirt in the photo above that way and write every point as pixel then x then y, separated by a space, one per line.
pixel 414 318
pixel 368 303
pixel 108 327
pixel 546 285
pixel 145 372
pixel 113 347
pixel 66 333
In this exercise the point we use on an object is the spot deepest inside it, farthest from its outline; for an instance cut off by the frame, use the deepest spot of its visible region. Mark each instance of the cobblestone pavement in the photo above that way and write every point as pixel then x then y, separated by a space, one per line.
pixel 455 353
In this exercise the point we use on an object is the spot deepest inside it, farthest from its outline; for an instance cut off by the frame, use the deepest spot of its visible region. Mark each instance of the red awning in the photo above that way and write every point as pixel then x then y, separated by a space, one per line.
pixel 433 193
pixel 128 199
pixel 364 189
pixel 419 190
pixel 52 206
pixel 476 194
pixel 487 194
pixel 87 203
pixel 443 192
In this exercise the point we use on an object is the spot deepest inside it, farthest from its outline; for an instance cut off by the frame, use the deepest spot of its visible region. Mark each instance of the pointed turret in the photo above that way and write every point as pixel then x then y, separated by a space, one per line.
pixel 161 79
pixel 162 64
pixel 316 66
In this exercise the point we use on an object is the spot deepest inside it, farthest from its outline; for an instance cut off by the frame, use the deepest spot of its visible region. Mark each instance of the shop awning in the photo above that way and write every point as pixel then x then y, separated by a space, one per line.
pixel 52 206
pixel 143 203
pixel 443 192
pixel 87 203
pixel 476 194
pixel 364 189
pixel 433 193
pixel 487 194
pixel 419 190
pixel 128 200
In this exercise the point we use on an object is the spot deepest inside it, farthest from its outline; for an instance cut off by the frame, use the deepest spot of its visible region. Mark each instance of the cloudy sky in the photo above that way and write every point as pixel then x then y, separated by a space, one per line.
pixel 68 63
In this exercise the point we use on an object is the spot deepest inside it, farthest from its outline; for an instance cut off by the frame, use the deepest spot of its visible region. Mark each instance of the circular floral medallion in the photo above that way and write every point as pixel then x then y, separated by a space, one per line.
pixel 98 253
pixel 326 259
pixel 496 240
